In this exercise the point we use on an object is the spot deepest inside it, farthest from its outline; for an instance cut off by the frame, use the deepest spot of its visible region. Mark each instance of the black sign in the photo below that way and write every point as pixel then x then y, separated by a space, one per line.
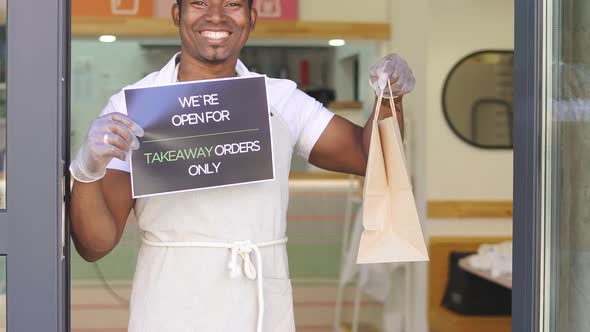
pixel 200 135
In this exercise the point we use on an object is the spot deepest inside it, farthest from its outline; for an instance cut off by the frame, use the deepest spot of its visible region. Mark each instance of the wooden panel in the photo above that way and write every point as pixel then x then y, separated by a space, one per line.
pixel 441 319
pixel 348 105
pixel 123 27
pixel 469 209
pixel 156 27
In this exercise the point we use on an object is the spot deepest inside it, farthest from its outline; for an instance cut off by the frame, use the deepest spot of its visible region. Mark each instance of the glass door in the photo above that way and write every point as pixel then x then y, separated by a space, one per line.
pixel 551 278
pixel 566 222
pixel 34 82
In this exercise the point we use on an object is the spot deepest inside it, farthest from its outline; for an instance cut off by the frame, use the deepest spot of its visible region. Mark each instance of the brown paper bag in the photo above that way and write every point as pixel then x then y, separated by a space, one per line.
pixel 392 228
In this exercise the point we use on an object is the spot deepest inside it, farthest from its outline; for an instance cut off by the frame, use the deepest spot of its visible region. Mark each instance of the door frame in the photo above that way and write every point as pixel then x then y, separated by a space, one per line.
pixel 33 233
pixel 528 171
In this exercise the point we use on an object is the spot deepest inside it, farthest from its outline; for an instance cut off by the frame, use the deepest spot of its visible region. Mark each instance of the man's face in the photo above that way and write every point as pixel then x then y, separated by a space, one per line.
pixel 214 30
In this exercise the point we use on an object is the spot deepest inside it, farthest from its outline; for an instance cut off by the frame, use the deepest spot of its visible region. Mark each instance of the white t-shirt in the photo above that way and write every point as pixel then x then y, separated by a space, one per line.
pixel 305 117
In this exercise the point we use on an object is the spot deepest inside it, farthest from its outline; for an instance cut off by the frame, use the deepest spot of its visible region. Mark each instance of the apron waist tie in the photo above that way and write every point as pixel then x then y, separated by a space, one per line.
pixel 242 249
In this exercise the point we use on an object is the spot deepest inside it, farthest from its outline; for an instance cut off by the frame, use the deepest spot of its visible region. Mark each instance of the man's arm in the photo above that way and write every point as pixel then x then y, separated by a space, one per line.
pixel 344 146
pixel 98 213
pixel 101 198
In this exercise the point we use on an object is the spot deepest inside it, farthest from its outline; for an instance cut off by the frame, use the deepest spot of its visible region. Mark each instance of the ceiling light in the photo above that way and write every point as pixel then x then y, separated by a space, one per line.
pixel 337 42
pixel 107 38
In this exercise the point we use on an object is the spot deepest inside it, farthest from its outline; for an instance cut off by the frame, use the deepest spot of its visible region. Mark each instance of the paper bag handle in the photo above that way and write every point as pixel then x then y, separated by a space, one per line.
pixel 380 99
pixel 372 188
pixel 394 115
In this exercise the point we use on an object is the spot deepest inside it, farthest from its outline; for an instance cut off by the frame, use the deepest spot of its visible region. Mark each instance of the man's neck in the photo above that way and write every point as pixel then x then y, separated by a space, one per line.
pixel 191 69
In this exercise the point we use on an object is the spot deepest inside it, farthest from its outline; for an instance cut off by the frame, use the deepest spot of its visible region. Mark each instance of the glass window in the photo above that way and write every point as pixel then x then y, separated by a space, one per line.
pixel 2 294
pixel 567 184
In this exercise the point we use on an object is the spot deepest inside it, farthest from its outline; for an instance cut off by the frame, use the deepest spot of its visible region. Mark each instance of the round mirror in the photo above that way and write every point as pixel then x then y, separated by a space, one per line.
pixel 478 98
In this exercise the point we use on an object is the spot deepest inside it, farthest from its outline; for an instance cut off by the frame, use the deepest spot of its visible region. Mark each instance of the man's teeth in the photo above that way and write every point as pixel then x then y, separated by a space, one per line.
pixel 215 34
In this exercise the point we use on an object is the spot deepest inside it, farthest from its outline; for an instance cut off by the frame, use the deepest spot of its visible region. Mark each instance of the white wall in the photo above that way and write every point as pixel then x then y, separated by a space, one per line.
pixel 456 170
pixel 433 35
pixel 411 40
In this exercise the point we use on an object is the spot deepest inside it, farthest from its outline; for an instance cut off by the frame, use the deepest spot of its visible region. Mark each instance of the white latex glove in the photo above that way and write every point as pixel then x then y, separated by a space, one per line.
pixel 395 69
pixel 110 136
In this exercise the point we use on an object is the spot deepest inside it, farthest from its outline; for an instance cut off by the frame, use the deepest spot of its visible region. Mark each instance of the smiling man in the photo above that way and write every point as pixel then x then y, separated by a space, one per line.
pixel 214 260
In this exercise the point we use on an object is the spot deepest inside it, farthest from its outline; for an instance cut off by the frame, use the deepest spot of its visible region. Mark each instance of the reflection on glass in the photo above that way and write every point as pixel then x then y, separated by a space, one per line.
pixel 567 158
pixel 2 294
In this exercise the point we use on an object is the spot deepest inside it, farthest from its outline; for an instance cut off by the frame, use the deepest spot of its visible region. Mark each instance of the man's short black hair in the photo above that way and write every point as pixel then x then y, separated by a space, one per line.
pixel 179 2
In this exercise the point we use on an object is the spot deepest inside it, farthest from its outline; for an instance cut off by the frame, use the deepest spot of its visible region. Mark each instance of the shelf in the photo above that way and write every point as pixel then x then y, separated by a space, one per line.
pixel 352 105
pixel 163 28
pixel 469 209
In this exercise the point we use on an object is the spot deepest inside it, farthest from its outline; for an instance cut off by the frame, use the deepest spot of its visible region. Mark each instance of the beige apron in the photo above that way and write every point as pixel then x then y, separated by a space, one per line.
pixel 197 245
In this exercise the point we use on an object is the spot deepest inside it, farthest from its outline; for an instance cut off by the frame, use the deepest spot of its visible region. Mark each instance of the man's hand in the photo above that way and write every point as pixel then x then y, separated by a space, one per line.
pixel 111 136
pixel 395 69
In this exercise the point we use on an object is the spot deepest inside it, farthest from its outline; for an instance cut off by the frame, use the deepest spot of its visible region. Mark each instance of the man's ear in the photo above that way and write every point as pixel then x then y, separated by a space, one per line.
pixel 253 18
pixel 176 14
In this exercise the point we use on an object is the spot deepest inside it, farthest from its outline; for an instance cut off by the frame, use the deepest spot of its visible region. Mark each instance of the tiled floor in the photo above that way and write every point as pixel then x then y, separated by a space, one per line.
pixel 95 308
